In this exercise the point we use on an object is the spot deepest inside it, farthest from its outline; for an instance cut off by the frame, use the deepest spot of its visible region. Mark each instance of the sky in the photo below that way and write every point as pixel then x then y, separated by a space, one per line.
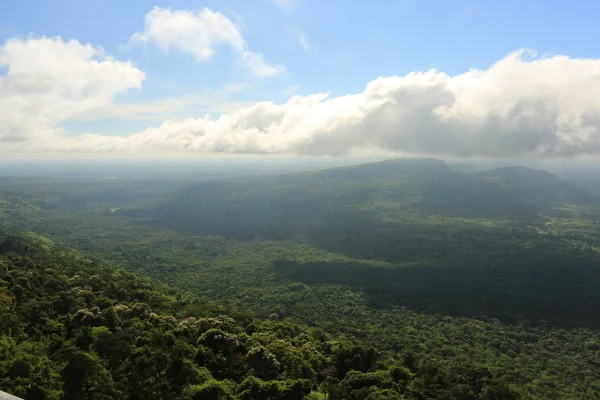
pixel 456 78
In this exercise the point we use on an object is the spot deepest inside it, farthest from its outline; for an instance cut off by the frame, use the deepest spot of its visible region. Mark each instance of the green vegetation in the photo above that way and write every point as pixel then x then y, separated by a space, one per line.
pixel 72 329
pixel 401 279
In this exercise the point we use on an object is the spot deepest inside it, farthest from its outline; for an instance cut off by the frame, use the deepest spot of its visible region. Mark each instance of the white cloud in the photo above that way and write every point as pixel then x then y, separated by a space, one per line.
pixel 520 106
pixel 256 64
pixel 49 81
pixel 176 107
pixel 199 33
pixel 185 105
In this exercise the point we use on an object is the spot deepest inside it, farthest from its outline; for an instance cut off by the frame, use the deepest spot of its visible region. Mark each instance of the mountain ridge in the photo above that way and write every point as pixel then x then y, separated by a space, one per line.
pixel 428 186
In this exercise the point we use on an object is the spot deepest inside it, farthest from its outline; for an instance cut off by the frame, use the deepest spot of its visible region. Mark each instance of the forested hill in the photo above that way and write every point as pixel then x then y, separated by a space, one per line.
pixel 341 199
pixel 72 329
pixel 395 280
pixel 538 186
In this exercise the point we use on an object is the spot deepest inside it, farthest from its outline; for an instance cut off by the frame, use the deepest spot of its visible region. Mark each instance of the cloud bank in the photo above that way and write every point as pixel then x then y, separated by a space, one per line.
pixel 199 33
pixel 49 81
pixel 522 105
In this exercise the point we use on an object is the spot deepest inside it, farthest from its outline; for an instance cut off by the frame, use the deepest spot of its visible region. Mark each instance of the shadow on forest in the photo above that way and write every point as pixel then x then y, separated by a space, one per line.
pixel 357 234
pixel 562 290
pixel 376 211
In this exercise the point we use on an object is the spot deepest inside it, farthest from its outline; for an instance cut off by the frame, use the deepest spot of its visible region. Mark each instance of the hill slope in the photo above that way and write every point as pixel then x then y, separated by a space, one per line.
pixel 538 187
pixel 353 202
pixel 71 329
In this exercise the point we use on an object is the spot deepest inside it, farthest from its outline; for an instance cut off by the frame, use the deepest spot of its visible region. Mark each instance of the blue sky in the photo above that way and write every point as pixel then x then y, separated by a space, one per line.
pixel 330 46
pixel 351 42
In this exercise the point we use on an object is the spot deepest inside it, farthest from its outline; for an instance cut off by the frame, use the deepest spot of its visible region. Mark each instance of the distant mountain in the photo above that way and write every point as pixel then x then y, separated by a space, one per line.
pixel 358 201
pixel 538 186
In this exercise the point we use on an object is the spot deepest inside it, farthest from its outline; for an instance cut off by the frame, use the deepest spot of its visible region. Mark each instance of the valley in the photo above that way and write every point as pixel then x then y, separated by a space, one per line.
pixel 494 270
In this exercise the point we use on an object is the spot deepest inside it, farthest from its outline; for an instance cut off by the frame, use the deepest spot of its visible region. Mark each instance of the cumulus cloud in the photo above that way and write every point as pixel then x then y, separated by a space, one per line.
pixel 49 81
pixel 522 105
pixel 199 33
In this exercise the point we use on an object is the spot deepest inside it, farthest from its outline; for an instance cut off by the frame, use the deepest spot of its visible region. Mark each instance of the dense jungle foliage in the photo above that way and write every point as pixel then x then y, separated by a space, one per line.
pixel 73 329
pixel 394 280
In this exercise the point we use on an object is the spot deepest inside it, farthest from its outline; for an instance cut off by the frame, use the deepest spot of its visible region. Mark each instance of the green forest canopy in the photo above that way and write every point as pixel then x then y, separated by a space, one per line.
pixel 401 279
